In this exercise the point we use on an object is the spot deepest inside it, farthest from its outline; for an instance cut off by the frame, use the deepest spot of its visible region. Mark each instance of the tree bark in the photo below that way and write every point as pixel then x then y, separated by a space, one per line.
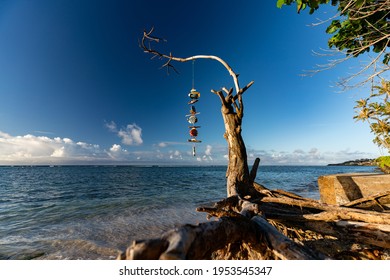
pixel 237 173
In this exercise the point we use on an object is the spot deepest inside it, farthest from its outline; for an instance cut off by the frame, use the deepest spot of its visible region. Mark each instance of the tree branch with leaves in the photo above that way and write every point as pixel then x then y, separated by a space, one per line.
pixel 360 27
pixel 376 111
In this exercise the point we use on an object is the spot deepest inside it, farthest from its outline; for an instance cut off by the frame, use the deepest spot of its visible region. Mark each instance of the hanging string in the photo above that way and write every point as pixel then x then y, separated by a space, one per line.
pixel 193 74
pixel 193 86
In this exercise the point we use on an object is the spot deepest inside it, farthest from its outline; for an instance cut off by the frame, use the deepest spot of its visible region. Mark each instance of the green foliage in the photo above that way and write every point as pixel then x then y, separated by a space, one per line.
pixel 386 59
pixel 376 111
pixel 333 27
pixel 384 163
pixel 364 25
pixel 302 4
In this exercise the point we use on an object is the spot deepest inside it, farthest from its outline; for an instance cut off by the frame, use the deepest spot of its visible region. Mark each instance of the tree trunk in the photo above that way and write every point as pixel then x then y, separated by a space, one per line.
pixel 237 173
pixel 239 180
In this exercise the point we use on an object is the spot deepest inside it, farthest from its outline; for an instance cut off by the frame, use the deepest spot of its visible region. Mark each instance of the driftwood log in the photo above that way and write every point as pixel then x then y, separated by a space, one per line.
pixel 275 224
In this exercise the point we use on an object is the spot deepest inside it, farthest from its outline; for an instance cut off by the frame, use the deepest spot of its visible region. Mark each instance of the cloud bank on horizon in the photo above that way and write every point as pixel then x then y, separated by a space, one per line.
pixel 42 150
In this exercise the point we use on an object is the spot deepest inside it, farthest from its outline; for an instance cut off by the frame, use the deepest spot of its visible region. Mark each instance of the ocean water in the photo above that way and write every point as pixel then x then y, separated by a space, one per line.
pixel 94 212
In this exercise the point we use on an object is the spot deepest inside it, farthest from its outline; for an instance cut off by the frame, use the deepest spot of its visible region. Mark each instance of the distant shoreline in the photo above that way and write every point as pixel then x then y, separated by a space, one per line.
pixel 357 162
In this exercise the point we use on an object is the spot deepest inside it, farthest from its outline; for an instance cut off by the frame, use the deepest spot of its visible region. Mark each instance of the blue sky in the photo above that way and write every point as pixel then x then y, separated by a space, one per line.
pixel 75 88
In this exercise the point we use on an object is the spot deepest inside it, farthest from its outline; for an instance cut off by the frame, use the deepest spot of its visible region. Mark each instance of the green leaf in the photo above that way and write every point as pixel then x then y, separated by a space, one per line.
pixel 333 27
pixel 300 7
pixel 359 3
pixel 361 103
pixel 280 3
pixel 386 59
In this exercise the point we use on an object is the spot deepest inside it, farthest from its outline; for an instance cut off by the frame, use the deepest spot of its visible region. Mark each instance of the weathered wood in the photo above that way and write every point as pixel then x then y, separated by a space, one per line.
pixel 331 212
pixel 180 241
pixel 360 232
pixel 199 242
pixel 193 242
pixel 144 250
pixel 345 214
pixel 345 223
pixel 237 174
pixel 216 235
pixel 303 213
pixel 368 233
pixel 241 222
pixel 378 202
pixel 253 173
pixel 281 245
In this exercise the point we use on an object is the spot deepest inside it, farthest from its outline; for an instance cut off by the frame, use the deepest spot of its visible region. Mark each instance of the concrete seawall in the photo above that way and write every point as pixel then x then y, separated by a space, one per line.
pixel 338 189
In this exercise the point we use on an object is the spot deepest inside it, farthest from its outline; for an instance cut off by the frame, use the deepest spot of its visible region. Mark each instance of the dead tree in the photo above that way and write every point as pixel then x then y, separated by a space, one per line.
pixel 239 179
pixel 254 222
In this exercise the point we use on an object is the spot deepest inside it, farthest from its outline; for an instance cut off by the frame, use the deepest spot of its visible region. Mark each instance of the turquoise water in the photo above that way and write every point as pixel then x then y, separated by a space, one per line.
pixel 93 212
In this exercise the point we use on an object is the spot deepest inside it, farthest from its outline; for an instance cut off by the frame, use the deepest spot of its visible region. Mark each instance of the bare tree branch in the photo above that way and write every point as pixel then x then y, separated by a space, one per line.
pixel 146 45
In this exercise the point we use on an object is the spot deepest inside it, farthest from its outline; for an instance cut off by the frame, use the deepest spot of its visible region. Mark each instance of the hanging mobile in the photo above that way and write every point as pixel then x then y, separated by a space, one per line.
pixel 194 95
pixel 192 119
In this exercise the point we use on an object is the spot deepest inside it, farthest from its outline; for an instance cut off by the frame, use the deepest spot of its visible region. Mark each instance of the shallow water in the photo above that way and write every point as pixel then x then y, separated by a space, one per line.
pixel 93 212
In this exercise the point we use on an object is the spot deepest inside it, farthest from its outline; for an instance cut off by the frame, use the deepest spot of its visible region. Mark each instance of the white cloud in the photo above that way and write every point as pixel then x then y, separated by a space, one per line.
pixel 59 152
pixel 314 152
pixel 84 145
pixel 162 145
pixel 31 149
pixel 68 141
pixel 130 135
pixel 175 155
pixel 299 151
pixel 207 153
pixel 165 144
pixel 115 148
pixel 117 152
pixel 208 150
pixel 111 126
